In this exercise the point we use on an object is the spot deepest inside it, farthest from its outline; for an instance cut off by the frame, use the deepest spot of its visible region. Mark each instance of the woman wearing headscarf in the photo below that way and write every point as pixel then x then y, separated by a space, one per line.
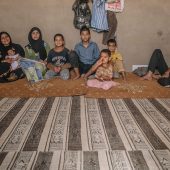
pixel 36 53
pixel 37 49
pixel 7 73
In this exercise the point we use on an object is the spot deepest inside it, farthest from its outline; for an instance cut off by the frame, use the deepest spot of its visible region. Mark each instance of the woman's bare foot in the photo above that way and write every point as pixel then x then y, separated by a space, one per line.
pixel 156 76
pixel 148 76
pixel 166 74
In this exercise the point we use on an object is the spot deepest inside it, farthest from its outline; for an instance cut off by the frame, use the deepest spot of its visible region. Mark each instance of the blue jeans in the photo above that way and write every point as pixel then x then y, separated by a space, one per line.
pixel 25 65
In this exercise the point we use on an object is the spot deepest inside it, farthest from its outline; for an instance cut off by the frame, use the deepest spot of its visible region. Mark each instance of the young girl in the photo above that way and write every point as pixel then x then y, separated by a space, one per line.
pixel 58 60
pixel 36 56
pixel 104 72
pixel 37 49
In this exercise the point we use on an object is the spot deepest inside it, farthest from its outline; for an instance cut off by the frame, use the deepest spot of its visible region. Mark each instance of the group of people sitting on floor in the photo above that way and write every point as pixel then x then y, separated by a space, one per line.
pixel 38 61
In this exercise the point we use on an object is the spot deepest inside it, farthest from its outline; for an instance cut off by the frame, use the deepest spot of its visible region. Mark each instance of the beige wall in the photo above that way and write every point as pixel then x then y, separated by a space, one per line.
pixel 143 26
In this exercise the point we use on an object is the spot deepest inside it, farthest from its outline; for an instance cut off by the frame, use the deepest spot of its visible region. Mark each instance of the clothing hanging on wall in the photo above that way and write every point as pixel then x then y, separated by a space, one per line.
pixel 99 16
pixel 116 6
pixel 112 22
pixel 82 16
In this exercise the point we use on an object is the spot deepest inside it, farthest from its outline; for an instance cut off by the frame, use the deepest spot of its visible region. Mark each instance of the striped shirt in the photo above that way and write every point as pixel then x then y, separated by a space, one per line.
pixel 99 16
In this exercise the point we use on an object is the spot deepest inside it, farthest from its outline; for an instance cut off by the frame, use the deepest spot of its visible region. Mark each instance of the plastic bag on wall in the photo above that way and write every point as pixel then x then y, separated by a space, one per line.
pixel 82 15
pixel 116 6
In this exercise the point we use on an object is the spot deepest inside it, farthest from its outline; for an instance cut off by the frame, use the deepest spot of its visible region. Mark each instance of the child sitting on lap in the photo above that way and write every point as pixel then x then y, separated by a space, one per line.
pixel 104 72
pixel 14 58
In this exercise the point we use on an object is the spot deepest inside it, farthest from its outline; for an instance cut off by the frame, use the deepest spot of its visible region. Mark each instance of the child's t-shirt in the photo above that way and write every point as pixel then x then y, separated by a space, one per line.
pixel 116 56
pixel 104 73
pixel 117 60
pixel 14 64
pixel 58 58
pixel 87 55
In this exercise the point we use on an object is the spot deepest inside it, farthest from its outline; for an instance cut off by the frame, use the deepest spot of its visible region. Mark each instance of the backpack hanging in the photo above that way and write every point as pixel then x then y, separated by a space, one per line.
pixel 82 16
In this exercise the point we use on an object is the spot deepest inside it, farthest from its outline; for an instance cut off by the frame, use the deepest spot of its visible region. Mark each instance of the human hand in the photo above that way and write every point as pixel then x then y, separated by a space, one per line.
pixel 99 62
pixel 43 61
pixel 9 60
pixel 57 69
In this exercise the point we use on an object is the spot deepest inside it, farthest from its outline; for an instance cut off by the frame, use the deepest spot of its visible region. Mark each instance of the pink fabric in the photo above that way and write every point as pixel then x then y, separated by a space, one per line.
pixel 101 84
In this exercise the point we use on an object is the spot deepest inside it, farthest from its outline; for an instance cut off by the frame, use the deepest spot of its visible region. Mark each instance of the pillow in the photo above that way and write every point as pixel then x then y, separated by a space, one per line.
pixel 140 71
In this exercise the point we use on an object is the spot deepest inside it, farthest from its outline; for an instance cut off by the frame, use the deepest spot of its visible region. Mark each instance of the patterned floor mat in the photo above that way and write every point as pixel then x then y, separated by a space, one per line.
pixel 86 160
pixel 83 133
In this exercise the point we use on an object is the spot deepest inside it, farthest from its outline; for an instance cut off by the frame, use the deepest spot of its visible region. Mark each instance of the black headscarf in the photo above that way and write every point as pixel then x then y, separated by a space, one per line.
pixel 4 49
pixel 37 45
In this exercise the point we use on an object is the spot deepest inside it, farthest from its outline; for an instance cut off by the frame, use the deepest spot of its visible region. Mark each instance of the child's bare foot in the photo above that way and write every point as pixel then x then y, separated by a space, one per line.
pixel 83 75
pixel 76 70
pixel 166 74
pixel 77 77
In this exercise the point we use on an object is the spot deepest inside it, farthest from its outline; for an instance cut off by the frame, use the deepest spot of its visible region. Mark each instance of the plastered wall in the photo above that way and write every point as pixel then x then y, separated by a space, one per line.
pixel 143 25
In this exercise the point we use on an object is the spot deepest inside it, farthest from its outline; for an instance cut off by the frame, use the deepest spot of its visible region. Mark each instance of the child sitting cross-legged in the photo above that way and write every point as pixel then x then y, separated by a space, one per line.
pixel 103 69
pixel 58 63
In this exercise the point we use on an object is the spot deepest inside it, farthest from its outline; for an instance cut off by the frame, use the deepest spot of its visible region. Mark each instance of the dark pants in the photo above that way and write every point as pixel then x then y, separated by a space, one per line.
pixel 84 68
pixel 12 76
pixel 74 59
pixel 76 63
pixel 157 61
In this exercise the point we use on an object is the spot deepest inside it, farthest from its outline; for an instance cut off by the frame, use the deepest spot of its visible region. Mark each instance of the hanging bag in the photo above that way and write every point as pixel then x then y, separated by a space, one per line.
pixel 82 16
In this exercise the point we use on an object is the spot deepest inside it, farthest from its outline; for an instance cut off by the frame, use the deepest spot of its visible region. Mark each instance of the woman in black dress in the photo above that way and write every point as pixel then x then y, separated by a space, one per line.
pixel 6 73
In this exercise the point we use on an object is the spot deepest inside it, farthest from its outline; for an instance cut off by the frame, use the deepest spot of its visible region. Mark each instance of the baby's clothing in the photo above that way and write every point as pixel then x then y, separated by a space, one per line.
pixel 103 78
pixel 14 64
pixel 33 70
pixel 104 73
pixel 106 85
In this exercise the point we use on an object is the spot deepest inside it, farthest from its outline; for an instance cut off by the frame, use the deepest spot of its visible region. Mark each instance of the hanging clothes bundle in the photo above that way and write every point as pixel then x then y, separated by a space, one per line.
pixel 82 14
pixel 112 23
pixel 112 7
pixel 99 16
